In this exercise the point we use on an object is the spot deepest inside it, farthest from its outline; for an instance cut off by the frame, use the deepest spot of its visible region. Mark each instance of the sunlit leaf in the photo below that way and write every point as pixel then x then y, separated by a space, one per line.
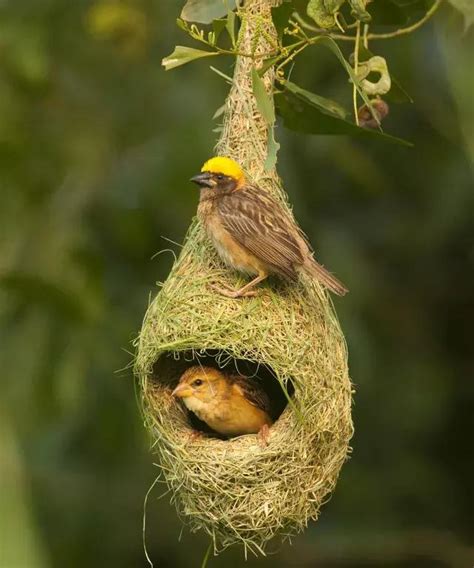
pixel 205 11
pixel 182 55
pixel 263 99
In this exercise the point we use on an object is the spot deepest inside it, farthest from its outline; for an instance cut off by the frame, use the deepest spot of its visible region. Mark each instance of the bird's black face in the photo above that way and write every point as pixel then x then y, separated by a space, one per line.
pixel 215 181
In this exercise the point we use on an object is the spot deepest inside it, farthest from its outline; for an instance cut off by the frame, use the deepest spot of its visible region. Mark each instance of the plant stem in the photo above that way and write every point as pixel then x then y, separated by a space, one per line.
pixel 389 35
pixel 356 67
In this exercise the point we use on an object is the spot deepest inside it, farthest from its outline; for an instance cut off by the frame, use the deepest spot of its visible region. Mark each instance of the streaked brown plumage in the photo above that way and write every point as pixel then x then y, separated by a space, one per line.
pixel 231 405
pixel 251 231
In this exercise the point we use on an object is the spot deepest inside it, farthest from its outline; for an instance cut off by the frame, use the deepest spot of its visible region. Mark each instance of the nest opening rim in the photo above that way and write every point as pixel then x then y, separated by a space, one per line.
pixel 170 365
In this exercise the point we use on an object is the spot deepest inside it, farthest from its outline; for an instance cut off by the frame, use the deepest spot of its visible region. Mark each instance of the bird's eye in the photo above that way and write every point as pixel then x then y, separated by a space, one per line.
pixel 220 177
pixel 197 383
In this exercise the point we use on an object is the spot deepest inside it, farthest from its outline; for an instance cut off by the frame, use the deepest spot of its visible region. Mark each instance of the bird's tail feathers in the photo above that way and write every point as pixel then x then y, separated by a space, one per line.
pixel 326 278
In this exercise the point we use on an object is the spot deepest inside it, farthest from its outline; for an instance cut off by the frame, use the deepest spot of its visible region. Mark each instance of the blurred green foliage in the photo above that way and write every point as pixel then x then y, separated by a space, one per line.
pixel 97 143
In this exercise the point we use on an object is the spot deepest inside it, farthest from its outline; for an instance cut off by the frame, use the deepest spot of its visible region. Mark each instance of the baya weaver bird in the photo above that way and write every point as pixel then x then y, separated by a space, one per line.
pixel 231 405
pixel 251 231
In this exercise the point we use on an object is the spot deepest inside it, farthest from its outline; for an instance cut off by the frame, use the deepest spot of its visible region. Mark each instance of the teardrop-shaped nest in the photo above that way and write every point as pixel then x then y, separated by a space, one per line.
pixel 238 490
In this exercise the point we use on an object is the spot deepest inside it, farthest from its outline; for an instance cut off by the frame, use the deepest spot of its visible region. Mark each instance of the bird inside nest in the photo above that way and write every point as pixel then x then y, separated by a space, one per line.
pixel 231 405
pixel 251 231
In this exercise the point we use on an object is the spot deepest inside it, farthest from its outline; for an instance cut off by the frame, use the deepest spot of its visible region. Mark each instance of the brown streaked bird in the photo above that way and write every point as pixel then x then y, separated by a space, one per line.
pixel 251 231
pixel 231 405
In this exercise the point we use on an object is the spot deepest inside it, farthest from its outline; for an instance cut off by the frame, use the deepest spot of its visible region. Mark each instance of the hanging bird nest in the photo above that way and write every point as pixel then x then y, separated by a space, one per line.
pixel 287 337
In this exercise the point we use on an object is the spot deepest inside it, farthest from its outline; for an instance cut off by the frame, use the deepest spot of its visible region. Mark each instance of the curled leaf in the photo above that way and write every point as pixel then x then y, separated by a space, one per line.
pixel 359 12
pixel 397 93
pixel 375 64
pixel 323 12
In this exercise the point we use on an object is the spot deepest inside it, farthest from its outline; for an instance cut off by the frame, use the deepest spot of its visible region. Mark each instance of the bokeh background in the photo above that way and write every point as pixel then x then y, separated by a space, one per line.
pixel 97 143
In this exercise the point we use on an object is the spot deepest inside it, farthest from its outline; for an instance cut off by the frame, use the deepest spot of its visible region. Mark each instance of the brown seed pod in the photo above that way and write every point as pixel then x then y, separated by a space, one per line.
pixel 366 119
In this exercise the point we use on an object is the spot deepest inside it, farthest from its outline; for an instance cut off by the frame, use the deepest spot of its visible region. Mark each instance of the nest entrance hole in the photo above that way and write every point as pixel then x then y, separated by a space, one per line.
pixel 169 367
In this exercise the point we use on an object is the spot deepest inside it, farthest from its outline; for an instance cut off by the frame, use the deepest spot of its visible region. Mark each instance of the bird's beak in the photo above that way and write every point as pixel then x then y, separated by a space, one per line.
pixel 182 391
pixel 203 180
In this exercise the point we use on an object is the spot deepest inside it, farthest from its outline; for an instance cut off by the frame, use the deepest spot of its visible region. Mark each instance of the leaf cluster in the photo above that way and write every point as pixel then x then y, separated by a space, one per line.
pixel 301 24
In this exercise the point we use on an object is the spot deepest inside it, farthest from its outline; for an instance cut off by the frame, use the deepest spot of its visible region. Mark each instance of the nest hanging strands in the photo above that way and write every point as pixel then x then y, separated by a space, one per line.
pixel 238 490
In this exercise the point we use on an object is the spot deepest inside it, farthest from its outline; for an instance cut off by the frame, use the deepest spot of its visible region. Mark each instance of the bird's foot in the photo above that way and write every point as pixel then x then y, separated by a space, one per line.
pixel 229 293
pixel 264 435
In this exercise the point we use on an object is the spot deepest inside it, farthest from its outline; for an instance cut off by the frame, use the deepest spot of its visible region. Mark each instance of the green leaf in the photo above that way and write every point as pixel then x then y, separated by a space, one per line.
pixel 267 63
pixel 466 7
pixel 182 55
pixel 302 111
pixel 323 12
pixel 273 147
pixel 205 11
pixel 326 106
pixel 263 99
pixel 218 26
pixel 230 26
pixel 182 25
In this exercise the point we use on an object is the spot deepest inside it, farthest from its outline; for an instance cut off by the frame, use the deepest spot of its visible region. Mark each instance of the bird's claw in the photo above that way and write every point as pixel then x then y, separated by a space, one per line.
pixel 264 435
pixel 229 293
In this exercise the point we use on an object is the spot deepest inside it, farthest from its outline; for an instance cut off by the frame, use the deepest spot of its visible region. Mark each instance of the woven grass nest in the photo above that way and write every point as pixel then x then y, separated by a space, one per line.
pixel 287 337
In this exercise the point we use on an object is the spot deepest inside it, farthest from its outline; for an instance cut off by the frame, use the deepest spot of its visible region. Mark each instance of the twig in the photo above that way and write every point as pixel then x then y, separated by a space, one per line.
pixel 356 68
pixel 388 35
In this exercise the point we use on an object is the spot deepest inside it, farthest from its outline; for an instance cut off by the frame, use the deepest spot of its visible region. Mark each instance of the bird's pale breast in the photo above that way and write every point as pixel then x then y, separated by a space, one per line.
pixel 231 252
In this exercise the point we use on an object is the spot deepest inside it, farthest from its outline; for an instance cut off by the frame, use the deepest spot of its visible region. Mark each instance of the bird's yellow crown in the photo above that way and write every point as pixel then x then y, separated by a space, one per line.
pixel 225 166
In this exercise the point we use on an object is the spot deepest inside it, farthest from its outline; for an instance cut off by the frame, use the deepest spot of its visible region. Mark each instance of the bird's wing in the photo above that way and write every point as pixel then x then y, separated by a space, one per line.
pixel 253 393
pixel 260 225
